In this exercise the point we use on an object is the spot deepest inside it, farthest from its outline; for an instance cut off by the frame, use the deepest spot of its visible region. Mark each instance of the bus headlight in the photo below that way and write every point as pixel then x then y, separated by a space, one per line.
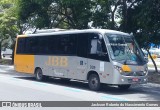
pixel 145 71
pixel 118 68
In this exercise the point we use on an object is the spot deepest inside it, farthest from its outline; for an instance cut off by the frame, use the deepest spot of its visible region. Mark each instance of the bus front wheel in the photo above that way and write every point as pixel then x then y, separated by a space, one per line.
pixel 94 82
pixel 124 87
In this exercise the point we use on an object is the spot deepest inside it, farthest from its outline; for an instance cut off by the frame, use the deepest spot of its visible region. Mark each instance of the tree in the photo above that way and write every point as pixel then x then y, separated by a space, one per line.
pixel 150 23
pixel 100 14
pixel 52 14
pixel 34 13
pixel 8 26
pixel 114 14
pixel 77 13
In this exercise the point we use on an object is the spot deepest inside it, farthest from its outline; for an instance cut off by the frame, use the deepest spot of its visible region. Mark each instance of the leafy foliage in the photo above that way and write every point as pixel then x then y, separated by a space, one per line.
pixel 8 22
pixel 148 21
pixel 49 14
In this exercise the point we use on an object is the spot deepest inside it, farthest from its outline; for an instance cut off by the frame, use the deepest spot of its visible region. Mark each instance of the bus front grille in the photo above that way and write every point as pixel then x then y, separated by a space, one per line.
pixel 138 73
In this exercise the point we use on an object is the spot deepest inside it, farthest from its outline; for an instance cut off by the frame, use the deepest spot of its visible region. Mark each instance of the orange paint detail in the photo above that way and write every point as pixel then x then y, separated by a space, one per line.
pixel 24 63
pixel 21 36
pixel 126 68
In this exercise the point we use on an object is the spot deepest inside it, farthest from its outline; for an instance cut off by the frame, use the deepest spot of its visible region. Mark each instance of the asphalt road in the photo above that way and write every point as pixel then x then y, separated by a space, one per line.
pixel 23 87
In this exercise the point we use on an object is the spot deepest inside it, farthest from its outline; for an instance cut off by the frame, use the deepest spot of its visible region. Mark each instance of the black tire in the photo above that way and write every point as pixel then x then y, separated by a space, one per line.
pixel 39 75
pixel 124 87
pixel 94 82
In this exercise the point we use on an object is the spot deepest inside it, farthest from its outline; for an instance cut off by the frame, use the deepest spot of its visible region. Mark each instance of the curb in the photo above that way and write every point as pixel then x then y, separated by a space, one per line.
pixel 7 66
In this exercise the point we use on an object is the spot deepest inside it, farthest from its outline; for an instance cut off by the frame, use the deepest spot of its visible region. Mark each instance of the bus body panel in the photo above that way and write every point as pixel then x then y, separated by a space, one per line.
pixel 62 66
pixel 24 63
pixel 103 68
pixel 78 68
pixel 56 66
pixel 73 67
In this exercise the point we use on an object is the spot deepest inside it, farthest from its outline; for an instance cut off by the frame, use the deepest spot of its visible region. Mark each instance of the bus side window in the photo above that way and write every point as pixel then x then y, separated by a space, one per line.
pixel 68 44
pixel 97 48
pixel 72 42
pixel 82 44
pixel 94 45
pixel 21 46
pixel 103 46
pixel 31 45
pixel 42 41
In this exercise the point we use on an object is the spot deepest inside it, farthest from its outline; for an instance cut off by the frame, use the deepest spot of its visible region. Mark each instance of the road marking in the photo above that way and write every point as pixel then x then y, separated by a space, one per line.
pixel 40 83
pixel 73 90
pixel 114 98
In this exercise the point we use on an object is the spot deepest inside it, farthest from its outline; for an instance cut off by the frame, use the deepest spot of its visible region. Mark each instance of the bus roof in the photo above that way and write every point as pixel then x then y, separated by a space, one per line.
pixel 102 31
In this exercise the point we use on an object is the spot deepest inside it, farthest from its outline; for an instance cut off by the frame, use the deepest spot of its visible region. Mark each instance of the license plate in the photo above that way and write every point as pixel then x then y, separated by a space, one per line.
pixel 135 79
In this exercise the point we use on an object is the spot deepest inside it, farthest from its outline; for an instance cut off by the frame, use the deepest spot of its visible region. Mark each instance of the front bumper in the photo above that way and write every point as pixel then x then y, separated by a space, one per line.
pixel 132 80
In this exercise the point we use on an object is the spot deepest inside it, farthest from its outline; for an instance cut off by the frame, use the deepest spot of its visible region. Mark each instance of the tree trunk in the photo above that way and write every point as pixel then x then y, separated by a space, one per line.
pixel 113 21
pixel 155 66
pixel 124 15
pixel 13 50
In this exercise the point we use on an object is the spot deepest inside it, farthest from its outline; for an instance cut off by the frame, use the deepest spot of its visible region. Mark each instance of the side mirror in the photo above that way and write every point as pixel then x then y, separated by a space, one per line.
pixel 146 58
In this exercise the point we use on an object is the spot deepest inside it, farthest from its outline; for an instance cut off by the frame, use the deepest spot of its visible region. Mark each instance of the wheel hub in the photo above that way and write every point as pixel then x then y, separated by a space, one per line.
pixel 94 82
pixel 39 75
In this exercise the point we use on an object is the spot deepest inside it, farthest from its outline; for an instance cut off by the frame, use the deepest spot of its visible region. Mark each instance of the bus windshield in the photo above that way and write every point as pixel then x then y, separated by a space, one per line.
pixel 123 48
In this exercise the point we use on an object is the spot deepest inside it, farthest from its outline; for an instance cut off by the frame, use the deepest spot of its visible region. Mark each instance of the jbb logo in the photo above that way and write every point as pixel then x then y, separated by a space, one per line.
pixel 57 61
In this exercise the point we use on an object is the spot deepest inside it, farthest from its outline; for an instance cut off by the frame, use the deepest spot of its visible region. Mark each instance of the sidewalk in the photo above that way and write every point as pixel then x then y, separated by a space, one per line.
pixel 151 70
pixel 151 66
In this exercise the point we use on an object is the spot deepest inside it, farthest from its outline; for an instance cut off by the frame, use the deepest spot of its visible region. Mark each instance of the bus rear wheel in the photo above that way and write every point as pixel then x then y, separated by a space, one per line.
pixel 39 75
pixel 94 82
pixel 124 87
